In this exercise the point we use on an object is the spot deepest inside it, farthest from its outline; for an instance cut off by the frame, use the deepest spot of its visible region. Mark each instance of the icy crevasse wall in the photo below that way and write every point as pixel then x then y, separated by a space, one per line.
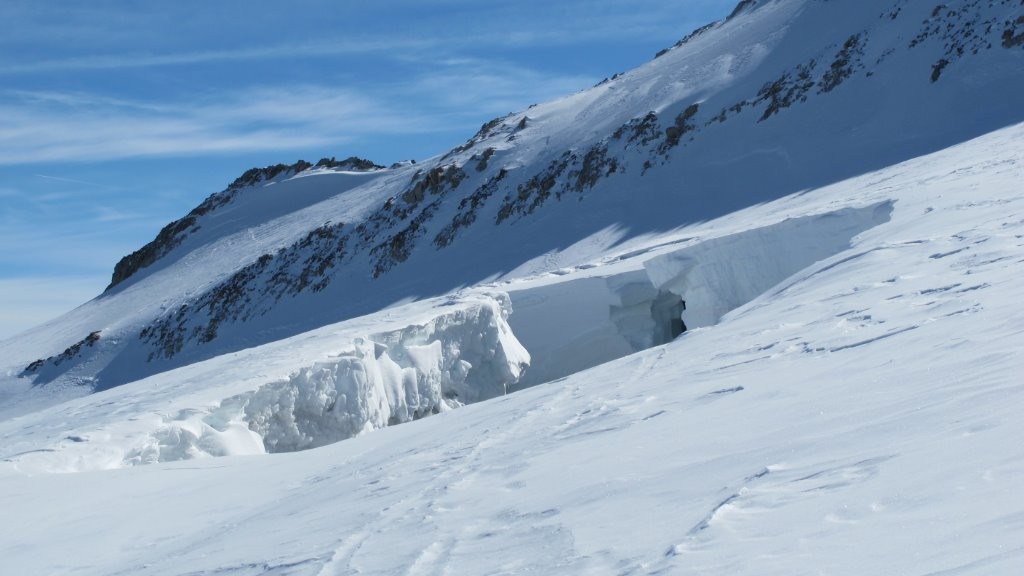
pixel 576 324
pixel 465 355
pixel 458 358
pixel 722 274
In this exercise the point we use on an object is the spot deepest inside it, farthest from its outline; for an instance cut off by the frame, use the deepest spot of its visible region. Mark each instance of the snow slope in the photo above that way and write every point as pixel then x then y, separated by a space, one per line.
pixel 826 194
pixel 857 417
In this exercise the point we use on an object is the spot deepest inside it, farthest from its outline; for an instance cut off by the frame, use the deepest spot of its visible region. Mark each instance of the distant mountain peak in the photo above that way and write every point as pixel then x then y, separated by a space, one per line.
pixel 174 233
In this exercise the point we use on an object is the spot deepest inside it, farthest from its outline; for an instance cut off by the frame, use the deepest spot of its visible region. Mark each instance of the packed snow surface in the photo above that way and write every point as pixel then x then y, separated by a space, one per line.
pixel 859 415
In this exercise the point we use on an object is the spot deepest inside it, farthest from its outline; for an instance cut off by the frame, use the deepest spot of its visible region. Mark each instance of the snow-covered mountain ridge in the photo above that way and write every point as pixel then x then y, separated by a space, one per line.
pixel 780 96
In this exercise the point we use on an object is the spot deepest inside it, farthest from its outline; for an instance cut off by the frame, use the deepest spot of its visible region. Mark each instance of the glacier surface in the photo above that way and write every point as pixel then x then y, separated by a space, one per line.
pixel 857 416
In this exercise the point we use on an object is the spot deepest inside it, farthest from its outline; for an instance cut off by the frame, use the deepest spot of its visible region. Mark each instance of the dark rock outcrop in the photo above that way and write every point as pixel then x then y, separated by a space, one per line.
pixel 70 353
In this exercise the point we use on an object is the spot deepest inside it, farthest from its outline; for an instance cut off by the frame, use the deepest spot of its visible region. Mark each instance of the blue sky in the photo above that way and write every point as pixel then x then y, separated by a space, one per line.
pixel 117 117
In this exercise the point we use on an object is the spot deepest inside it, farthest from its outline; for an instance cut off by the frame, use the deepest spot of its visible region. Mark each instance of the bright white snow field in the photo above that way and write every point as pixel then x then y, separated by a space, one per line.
pixel 854 411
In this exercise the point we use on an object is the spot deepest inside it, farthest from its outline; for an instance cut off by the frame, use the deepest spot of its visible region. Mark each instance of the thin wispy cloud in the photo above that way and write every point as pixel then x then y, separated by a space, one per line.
pixel 130 60
pixel 450 31
pixel 33 130
pixel 74 181
pixel 89 245
pixel 437 47
pixel 50 197
pixel 105 214
pixel 79 100
pixel 32 300
pixel 38 126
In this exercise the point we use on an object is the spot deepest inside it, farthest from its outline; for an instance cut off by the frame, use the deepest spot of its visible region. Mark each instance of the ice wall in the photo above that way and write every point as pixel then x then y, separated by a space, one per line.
pixel 459 358
pixel 722 274
pixel 571 325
